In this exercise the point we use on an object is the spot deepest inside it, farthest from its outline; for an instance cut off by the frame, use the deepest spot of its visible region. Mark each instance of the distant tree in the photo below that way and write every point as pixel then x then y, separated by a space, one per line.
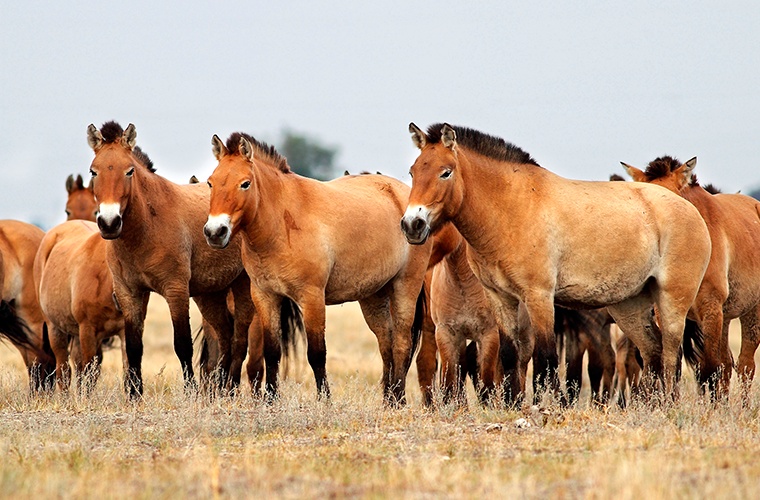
pixel 308 156
pixel 755 193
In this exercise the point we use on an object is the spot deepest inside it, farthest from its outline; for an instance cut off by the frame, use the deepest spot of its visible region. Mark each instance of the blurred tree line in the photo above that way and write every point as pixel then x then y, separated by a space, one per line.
pixel 308 156
pixel 755 193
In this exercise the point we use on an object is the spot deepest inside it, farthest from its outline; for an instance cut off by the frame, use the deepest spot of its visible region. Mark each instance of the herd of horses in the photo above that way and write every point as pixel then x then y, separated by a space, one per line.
pixel 492 249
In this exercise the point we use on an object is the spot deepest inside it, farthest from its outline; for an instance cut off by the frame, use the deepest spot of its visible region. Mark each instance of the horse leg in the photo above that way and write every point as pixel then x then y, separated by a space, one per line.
pixel 243 317
pixel 635 317
pixel 540 309
pixel 255 366
pixel 59 343
pixel 316 348
pixel 427 362
pixel 750 339
pixel 405 293
pixel 516 343
pixel 488 357
pixel 133 307
pixel 213 307
pixel 574 350
pixel 376 311
pixel 90 367
pixel 451 345
pixel 601 365
pixel 178 299
pixel 708 308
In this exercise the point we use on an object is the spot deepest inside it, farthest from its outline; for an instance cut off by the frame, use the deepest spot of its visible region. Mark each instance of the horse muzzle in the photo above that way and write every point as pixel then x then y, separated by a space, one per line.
pixel 110 229
pixel 416 229
pixel 217 231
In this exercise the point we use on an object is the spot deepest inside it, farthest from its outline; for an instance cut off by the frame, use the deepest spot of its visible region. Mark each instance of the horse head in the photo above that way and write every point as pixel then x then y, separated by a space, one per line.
pixel 231 185
pixel 113 170
pixel 665 171
pixel 81 203
pixel 437 188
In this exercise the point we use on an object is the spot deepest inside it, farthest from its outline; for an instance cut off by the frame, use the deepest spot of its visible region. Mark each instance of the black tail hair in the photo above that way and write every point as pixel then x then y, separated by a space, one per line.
pixel 693 344
pixel 420 310
pixel 13 328
pixel 291 323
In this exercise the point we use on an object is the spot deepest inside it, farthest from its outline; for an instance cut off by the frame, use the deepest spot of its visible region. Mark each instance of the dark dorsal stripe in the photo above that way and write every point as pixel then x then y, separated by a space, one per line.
pixel 262 149
pixel 479 142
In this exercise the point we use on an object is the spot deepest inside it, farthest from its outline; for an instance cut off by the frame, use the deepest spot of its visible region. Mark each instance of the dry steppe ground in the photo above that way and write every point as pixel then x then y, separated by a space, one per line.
pixel 172 445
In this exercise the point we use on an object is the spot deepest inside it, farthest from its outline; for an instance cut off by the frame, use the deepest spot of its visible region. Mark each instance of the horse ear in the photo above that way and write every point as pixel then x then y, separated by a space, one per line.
pixel 418 136
pixel 194 180
pixel 70 184
pixel 218 147
pixel 245 148
pixel 129 138
pixel 688 170
pixel 80 182
pixel 94 138
pixel 635 173
pixel 448 137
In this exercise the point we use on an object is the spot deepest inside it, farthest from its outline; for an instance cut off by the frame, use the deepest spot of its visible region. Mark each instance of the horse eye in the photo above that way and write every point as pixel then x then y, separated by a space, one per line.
pixel 411 174
pixel 130 172
pixel 68 212
pixel 446 174
pixel 209 184
pixel 245 185
pixel 93 173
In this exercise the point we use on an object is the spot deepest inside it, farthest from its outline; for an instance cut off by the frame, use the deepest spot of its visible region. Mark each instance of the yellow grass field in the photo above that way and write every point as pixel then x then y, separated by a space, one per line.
pixel 173 446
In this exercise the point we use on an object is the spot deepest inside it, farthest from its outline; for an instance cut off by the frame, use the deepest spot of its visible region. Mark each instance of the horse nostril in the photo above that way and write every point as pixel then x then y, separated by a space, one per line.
pixel 418 224
pixel 222 232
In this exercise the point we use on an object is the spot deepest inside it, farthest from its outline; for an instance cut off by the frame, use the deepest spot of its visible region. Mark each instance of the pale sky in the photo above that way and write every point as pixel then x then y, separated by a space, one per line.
pixel 579 85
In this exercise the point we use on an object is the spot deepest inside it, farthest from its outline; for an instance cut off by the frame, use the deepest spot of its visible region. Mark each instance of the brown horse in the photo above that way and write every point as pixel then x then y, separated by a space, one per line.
pixel 81 203
pixel 155 243
pixel 320 243
pixel 538 239
pixel 21 319
pixel 76 295
pixel 628 365
pixel 731 286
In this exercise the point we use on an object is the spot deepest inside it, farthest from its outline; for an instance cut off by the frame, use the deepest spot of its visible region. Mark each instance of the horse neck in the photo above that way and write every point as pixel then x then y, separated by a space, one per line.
pixel 150 193
pixel 485 181
pixel 263 221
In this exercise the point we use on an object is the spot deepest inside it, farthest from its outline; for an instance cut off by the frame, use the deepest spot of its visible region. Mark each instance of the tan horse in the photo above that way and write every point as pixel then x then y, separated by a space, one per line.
pixel 155 243
pixel 81 203
pixel 320 243
pixel 731 286
pixel 539 239
pixel 76 295
pixel 21 319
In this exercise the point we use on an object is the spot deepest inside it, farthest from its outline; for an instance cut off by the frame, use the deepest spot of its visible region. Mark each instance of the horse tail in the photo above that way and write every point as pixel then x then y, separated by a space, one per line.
pixel 420 311
pixel 13 328
pixel 693 344
pixel 291 323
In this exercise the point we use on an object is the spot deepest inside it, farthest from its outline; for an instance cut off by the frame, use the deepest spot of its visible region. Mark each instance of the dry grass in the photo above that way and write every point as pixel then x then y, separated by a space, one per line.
pixel 172 445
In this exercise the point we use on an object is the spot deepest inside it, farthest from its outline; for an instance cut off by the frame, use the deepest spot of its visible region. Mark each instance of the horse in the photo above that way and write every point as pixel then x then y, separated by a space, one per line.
pixel 81 203
pixel 461 311
pixel 320 243
pixel 537 239
pixel 154 233
pixel 75 291
pixel 731 286
pixel 21 319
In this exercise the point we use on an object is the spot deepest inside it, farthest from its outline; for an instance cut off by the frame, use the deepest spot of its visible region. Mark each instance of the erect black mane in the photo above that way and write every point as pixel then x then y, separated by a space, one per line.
pixel 710 188
pixel 112 132
pixel 479 142
pixel 661 167
pixel 262 149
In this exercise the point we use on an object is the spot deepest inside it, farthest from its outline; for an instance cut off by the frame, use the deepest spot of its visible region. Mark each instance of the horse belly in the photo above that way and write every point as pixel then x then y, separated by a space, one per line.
pixel 355 276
